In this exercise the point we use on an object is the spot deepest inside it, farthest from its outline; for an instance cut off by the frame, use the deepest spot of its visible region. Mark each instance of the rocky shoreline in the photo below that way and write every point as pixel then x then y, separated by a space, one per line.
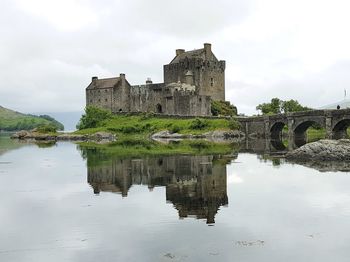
pixel 215 136
pixel 36 136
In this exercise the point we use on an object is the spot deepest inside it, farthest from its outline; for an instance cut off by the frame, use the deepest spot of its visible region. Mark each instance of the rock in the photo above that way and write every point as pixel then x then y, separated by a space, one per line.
pixel 99 136
pixel 21 134
pixel 72 137
pixel 322 150
pixel 225 134
pixel 167 135
pixel 103 136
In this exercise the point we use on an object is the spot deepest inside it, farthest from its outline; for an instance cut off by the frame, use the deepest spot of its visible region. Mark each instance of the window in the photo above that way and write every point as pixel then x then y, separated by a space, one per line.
pixel 211 81
pixel 99 100
pixel 90 100
pixel 106 100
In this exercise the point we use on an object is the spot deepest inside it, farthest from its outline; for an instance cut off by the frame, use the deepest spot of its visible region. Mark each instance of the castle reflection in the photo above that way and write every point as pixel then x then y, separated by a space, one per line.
pixel 195 185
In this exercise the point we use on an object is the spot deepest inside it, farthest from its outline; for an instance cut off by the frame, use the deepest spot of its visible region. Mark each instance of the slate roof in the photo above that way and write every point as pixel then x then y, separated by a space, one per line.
pixel 197 53
pixel 104 83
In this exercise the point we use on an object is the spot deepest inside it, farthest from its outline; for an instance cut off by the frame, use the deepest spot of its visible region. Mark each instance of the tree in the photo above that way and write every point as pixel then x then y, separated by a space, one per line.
pixel 93 117
pixel 293 106
pixel 277 106
pixel 274 107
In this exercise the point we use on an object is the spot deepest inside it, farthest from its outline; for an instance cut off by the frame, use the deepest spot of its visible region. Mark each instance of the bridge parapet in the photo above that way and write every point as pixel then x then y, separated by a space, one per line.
pixel 335 123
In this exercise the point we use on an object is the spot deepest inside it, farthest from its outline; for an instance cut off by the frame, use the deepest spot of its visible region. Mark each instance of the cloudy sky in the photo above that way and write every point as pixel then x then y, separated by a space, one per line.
pixel 292 49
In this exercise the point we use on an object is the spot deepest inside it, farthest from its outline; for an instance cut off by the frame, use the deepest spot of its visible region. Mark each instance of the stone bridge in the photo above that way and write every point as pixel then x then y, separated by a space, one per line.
pixel 335 123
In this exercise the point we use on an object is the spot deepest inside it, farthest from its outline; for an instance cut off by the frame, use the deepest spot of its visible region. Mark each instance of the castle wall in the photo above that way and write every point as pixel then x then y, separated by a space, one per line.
pixel 145 98
pixel 101 97
pixel 208 76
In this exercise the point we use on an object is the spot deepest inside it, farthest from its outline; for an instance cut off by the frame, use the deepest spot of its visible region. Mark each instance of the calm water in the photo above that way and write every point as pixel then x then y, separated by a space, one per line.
pixel 62 203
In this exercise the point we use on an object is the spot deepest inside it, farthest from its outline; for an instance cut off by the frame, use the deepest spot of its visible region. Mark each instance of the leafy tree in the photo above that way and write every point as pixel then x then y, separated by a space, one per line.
pixel 277 106
pixel 223 108
pixel 293 106
pixel 93 117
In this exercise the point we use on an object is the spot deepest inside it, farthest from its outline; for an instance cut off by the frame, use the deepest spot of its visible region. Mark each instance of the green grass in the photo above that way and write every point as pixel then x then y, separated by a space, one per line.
pixel 11 121
pixel 315 134
pixel 142 126
pixel 140 148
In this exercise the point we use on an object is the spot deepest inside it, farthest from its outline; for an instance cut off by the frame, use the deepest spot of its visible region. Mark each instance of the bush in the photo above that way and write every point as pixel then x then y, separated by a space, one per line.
pixel 198 124
pixel 223 108
pixel 234 124
pixel 47 129
pixel 175 129
pixel 93 117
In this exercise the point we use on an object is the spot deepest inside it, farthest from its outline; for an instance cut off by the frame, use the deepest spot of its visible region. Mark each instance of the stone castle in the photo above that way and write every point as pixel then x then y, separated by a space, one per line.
pixel 191 81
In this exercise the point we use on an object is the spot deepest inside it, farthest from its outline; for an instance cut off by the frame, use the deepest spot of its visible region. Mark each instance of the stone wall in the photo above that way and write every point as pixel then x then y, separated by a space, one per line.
pixel 208 76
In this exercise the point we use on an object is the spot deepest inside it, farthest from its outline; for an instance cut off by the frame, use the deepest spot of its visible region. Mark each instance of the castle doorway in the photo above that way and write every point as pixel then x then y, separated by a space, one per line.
pixel 159 108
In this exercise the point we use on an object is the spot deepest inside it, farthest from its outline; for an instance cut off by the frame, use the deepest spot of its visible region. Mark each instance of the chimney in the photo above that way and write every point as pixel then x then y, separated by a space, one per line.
pixel 122 76
pixel 207 48
pixel 180 51
pixel 94 78
pixel 149 81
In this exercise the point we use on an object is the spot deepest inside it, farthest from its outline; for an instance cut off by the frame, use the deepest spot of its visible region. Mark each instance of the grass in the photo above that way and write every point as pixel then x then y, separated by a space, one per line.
pixel 140 148
pixel 142 126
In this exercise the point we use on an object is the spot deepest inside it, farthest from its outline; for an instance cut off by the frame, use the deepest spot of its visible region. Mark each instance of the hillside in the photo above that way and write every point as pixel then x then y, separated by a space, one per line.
pixel 11 121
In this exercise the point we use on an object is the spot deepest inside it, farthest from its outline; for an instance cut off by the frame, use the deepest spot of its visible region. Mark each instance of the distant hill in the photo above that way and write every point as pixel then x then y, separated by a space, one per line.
pixel 68 119
pixel 342 104
pixel 11 120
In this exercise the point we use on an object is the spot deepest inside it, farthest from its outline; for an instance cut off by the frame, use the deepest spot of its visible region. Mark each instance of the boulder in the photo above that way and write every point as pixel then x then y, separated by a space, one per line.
pixel 322 150
pixel 21 134
pixel 103 136
pixel 167 135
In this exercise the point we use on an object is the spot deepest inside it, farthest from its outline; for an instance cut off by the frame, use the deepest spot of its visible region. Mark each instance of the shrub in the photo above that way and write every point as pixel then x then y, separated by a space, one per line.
pixel 93 117
pixel 175 129
pixel 199 124
pixel 47 129
pixel 223 108
pixel 234 124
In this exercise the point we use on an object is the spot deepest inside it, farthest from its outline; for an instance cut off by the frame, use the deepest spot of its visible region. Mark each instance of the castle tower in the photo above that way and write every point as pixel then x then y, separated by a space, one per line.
pixel 208 73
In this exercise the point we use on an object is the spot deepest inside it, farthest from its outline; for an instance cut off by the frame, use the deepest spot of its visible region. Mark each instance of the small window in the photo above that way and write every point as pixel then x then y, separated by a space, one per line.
pixel 211 81
pixel 99 100
pixel 106 100
pixel 90 100
pixel 106 90
pixel 99 91
pixel 200 99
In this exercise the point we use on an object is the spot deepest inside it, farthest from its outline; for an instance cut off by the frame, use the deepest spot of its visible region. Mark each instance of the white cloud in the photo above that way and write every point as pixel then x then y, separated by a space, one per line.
pixel 64 15
pixel 288 49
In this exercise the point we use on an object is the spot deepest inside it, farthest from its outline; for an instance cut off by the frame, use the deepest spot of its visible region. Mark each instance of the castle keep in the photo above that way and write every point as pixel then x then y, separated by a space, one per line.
pixel 191 80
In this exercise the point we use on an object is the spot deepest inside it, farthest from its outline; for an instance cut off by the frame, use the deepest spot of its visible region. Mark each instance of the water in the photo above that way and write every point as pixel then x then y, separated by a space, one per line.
pixel 64 203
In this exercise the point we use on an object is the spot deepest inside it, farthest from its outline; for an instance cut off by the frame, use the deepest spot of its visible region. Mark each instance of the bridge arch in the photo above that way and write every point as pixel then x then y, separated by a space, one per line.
pixel 276 135
pixel 339 129
pixel 299 131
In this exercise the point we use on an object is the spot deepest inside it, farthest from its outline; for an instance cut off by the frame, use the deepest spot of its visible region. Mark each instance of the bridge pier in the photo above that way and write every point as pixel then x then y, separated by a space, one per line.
pixel 328 126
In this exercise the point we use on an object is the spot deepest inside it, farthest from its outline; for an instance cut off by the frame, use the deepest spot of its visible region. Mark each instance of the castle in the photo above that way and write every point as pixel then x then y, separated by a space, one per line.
pixel 191 81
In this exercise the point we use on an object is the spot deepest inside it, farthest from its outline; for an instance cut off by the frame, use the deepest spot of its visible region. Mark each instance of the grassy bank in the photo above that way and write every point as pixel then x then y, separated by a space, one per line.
pixel 142 126
pixel 140 148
